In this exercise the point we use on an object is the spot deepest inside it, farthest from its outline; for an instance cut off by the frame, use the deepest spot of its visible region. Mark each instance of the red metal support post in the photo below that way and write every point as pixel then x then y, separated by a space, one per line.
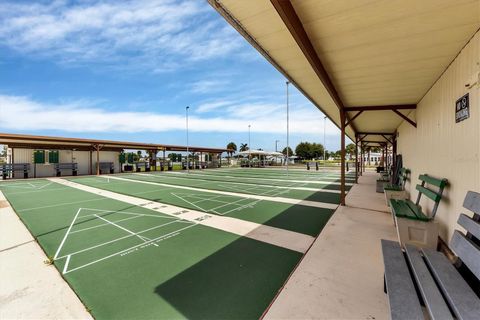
pixel 356 158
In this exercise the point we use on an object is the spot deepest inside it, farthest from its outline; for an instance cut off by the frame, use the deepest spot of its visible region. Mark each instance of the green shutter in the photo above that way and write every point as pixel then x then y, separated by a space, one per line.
pixel 121 158
pixel 53 157
pixel 39 156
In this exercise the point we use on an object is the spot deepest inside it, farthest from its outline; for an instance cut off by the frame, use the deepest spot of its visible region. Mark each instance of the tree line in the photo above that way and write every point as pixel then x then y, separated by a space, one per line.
pixel 304 150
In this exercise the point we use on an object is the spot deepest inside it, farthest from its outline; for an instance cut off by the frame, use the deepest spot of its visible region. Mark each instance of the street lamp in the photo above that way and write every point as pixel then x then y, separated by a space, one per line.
pixel 288 144
pixel 249 148
pixel 186 113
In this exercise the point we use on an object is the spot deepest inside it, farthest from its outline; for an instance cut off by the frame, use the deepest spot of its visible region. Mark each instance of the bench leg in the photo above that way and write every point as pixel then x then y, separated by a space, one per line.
pixel 384 284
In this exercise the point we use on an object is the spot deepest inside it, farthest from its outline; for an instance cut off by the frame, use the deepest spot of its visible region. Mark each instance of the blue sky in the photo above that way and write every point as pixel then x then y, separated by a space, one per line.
pixel 125 70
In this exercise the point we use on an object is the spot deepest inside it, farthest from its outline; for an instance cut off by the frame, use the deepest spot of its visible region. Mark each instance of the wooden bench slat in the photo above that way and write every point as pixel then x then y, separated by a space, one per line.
pixel 431 180
pixel 399 208
pixel 470 225
pixel 417 211
pixel 463 301
pixel 429 193
pixel 472 202
pixel 432 297
pixel 467 251
pixel 402 296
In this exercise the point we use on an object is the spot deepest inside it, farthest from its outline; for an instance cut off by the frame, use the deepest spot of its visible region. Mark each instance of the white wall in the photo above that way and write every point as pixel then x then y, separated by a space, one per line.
pixel 439 146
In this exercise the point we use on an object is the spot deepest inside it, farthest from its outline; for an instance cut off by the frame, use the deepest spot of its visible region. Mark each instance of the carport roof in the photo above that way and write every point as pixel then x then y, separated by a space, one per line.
pixel 48 142
pixel 363 53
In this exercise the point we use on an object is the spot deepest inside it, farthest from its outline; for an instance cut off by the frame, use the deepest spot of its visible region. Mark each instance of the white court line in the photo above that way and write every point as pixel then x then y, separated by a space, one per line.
pixel 275 236
pixel 103 224
pixel 65 267
pixel 223 204
pixel 122 228
pixel 114 240
pixel 281 174
pixel 243 183
pixel 66 234
pixel 272 179
pixel 191 203
pixel 45 185
pixel 301 202
pixel 128 249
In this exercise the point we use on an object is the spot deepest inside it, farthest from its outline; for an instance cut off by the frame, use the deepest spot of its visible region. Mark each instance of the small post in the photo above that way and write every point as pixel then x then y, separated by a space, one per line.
pixel 13 163
pixel 97 147
pixel 90 167
pixel 188 161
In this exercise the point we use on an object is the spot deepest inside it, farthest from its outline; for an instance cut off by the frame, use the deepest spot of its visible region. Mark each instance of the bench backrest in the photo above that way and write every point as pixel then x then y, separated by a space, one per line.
pixel 66 166
pixel 403 177
pixel 106 165
pixel 425 188
pixel 15 167
pixel 467 247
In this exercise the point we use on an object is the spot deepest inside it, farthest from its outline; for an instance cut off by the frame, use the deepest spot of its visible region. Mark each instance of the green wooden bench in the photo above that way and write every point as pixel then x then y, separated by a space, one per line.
pixel 410 210
pixel 402 179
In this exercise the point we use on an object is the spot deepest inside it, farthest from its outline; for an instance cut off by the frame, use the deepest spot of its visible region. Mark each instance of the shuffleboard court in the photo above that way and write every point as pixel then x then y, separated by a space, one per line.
pixel 298 218
pixel 277 180
pixel 281 173
pixel 157 266
pixel 293 190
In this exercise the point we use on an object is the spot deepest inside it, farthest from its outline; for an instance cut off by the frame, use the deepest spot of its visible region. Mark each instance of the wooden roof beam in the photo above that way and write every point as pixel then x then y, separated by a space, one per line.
pixel 295 27
pixel 382 108
pixel 377 133
pixel 404 117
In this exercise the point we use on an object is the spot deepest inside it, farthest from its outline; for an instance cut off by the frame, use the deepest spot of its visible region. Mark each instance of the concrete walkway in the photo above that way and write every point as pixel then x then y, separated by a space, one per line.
pixel 341 276
pixel 29 289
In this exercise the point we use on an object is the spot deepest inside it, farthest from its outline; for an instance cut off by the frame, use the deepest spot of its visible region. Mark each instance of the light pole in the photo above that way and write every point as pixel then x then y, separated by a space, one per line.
pixel 324 146
pixel 188 163
pixel 249 148
pixel 276 145
pixel 288 144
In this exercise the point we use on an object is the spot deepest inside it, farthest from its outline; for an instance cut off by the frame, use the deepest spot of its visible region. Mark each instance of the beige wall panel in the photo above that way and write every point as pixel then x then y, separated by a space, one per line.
pixel 82 158
pixel 23 155
pixel 439 146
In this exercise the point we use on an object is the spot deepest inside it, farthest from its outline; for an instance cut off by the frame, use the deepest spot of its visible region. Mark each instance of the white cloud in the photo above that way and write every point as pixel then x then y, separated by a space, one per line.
pixel 25 114
pixel 157 35
pixel 208 86
pixel 212 106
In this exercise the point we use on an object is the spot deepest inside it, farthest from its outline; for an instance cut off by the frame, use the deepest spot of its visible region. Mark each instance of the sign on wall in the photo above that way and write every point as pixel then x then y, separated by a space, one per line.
pixel 462 108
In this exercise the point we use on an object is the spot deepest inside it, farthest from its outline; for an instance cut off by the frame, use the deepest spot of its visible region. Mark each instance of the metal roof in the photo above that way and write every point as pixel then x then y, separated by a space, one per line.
pixel 363 53
pixel 48 142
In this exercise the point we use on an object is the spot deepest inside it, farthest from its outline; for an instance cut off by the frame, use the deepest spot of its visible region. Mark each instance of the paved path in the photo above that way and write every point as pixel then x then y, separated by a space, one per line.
pixel 29 289
pixel 341 276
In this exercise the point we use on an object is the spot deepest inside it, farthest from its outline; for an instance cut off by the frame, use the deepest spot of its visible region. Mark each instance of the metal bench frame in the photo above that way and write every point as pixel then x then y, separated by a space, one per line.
pixel 6 168
pixel 426 277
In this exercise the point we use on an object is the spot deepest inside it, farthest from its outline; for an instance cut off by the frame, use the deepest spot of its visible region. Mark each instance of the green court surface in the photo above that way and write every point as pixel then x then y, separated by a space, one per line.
pixel 303 219
pixel 288 190
pixel 130 262
pixel 315 180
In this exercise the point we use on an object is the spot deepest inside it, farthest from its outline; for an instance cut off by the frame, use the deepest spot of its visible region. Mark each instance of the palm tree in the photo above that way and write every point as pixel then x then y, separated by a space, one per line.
pixel 243 147
pixel 232 148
